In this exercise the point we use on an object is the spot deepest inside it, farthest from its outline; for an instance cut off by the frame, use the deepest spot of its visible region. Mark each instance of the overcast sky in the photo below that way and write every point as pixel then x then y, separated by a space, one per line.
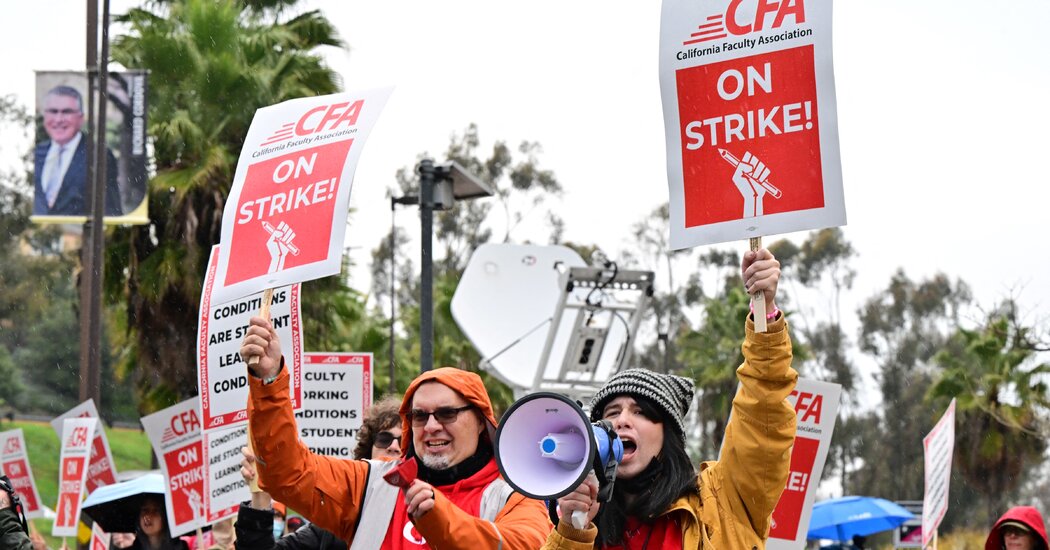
pixel 942 105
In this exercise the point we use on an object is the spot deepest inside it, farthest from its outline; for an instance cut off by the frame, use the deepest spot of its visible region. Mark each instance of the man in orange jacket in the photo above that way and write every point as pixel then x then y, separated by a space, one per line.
pixel 458 501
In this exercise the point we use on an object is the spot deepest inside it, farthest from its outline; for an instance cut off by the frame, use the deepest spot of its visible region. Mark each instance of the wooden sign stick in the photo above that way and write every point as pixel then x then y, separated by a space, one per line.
pixel 758 299
pixel 264 312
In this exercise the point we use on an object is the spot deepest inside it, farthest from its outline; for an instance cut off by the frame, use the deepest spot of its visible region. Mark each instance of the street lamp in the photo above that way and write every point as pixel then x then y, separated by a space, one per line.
pixel 439 188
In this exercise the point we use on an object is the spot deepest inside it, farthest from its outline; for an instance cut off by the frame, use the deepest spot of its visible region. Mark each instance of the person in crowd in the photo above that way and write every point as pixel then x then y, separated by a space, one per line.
pixel 1020 528
pixel 293 525
pixel 152 530
pixel 60 162
pixel 458 501
pixel 378 438
pixel 658 500
pixel 13 534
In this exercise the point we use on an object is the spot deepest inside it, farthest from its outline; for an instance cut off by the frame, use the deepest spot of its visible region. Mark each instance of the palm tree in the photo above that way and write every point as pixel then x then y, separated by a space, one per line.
pixel 1001 403
pixel 212 63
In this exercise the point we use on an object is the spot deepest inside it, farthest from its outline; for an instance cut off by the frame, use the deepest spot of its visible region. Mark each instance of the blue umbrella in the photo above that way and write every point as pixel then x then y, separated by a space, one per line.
pixel 116 507
pixel 841 518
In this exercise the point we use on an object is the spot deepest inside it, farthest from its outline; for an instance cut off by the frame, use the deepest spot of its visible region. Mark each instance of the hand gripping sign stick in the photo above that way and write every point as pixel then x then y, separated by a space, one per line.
pixel 758 299
pixel 264 312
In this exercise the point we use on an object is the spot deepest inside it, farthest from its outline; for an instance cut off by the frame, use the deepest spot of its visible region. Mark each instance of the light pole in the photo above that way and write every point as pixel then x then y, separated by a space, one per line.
pixel 439 187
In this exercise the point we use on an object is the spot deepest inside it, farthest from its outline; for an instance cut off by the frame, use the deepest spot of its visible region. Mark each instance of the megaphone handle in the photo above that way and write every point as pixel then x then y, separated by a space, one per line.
pixel 579 519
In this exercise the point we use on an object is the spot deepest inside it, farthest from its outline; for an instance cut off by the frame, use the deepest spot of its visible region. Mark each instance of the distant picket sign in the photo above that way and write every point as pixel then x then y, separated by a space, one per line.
pixel 177 439
pixel 750 119
pixel 285 216
pixel 102 470
pixel 938 447
pixel 816 405
pixel 337 389
pixel 77 436
pixel 14 463
pixel 222 375
pixel 99 538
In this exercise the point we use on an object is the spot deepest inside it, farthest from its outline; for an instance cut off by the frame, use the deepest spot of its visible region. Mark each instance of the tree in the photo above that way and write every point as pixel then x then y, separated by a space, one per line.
pixel 1002 401
pixel 212 64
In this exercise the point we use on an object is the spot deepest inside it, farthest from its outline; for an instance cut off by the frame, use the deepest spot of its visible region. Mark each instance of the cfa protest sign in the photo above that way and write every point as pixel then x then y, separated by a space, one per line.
pixel 337 388
pixel 102 470
pixel 938 447
pixel 285 216
pixel 99 538
pixel 222 376
pixel 750 119
pixel 176 436
pixel 14 463
pixel 817 406
pixel 224 486
pixel 77 435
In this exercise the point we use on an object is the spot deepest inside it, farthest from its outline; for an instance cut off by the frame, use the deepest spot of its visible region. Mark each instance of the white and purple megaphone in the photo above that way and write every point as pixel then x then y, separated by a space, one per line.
pixel 546 446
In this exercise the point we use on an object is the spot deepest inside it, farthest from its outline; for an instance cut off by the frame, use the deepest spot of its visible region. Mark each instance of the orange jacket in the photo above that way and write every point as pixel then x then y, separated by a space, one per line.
pixel 330 491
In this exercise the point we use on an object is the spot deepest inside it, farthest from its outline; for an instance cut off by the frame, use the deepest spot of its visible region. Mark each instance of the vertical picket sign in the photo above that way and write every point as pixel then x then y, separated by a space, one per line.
pixel 938 447
pixel 77 437
pixel 101 470
pixel 14 463
pixel 337 389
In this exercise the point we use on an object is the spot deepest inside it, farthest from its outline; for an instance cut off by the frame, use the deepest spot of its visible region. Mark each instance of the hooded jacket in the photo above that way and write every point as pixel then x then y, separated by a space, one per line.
pixel 735 495
pixel 331 491
pixel 1024 514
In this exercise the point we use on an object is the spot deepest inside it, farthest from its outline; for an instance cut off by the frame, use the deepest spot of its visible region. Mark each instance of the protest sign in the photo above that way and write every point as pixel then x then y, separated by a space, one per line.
pixel 99 538
pixel 176 436
pixel 224 486
pixel 285 217
pixel 14 463
pixel 817 405
pixel 77 436
pixel 102 470
pixel 938 447
pixel 222 375
pixel 337 388
pixel 750 119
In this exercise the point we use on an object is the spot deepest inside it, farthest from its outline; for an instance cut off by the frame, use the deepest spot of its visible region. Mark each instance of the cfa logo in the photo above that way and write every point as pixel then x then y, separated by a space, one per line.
pixel 737 21
pixel 12 446
pixel 323 118
pixel 78 438
pixel 185 422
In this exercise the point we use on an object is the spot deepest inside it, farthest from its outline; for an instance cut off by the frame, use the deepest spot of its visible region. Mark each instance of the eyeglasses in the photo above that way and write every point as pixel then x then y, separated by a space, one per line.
pixel 444 415
pixel 63 112
pixel 384 440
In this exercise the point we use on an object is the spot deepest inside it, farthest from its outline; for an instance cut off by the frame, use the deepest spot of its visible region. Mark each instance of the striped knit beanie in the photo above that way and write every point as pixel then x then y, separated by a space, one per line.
pixel 672 394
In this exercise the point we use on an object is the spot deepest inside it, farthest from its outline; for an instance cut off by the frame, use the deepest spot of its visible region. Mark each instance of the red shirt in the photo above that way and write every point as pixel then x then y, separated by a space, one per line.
pixel 661 534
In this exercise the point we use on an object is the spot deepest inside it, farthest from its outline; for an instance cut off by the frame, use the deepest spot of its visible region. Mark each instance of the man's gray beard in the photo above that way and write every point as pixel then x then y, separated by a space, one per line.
pixel 434 462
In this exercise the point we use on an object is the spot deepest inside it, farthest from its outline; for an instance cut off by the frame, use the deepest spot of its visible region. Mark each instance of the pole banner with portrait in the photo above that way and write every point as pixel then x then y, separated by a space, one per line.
pixel 61 192
pixel 14 463
pixel 285 218
pixel 102 470
pixel 76 437
pixel 337 389
pixel 817 407
pixel 750 119
pixel 222 376
pixel 177 439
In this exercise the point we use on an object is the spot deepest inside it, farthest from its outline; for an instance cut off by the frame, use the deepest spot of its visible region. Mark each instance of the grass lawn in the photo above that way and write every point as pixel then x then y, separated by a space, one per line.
pixel 131 451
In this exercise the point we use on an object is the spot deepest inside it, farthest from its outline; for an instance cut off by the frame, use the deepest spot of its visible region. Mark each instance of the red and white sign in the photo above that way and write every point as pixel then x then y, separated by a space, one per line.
pixel 817 405
pixel 222 375
pixel 750 119
pixel 14 463
pixel 938 447
pixel 77 436
pixel 224 486
pixel 99 538
pixel 285 217
pixel 176 436
pixel 102 470
pixel 337 389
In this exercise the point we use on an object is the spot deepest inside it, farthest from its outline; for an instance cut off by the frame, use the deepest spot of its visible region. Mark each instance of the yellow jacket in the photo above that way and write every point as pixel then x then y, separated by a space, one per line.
pixel 735 495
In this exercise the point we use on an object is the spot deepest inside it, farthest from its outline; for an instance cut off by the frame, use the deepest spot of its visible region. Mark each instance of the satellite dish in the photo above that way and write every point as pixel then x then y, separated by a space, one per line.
pixel 504 304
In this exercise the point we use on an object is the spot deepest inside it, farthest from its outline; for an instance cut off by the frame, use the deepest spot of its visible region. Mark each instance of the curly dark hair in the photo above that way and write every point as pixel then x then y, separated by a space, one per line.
pixel 382 415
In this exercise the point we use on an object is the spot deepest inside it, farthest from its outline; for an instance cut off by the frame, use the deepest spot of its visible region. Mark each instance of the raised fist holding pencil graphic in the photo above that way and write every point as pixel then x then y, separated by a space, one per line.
pixel 751 179
pixel 279 245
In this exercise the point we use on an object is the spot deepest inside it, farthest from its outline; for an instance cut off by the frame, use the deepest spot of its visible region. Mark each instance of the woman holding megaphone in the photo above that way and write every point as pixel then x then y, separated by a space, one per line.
pixel 659 501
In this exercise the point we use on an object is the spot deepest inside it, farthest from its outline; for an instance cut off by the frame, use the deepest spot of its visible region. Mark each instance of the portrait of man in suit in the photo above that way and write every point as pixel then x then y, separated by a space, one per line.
pixel 60 162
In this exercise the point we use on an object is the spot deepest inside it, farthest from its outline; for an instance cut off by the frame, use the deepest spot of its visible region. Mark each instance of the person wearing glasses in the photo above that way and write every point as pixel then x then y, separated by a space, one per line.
pixel 378 438
pixel 60 162
pixel 458 501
